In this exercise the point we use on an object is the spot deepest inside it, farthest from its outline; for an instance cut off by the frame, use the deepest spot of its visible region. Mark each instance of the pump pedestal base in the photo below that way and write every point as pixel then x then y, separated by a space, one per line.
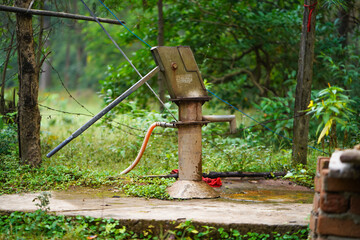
pixel 186 189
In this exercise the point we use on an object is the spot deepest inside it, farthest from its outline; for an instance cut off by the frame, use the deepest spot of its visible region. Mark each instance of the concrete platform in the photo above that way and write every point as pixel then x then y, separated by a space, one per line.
pixel 227 213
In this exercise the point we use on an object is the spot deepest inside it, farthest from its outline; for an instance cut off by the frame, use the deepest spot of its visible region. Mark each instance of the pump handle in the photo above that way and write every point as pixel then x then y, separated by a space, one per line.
pixel 105 110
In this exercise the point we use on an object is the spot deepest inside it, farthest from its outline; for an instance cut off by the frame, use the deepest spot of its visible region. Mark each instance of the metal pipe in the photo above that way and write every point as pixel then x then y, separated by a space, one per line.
pixel 189 141
pixel 190 184
pixel 56 14
pixel 105 110
pixel 143 146
pixel 222 118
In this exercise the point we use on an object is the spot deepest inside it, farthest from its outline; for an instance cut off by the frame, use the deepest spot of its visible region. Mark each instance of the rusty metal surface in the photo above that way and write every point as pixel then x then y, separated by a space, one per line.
pixel 190 152
pixel 190 111
pixel 180 71
pixel 189 141
pixel 187 90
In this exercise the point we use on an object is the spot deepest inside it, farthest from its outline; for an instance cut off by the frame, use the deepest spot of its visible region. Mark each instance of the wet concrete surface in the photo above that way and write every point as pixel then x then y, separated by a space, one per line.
pixel 265 191
pixel 243 202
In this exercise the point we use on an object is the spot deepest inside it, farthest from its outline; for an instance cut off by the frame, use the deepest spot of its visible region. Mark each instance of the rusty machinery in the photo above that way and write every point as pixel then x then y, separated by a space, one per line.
pixel 178 67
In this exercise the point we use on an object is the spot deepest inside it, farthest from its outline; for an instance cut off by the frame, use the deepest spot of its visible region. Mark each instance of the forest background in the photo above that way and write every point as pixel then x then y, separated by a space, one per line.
pixel 247 52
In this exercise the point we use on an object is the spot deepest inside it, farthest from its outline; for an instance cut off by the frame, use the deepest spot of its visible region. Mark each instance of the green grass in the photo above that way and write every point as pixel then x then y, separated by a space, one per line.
pixel 40 225
pixel 97 157
pixel 106 149
pixel 112 149
pixel 101 147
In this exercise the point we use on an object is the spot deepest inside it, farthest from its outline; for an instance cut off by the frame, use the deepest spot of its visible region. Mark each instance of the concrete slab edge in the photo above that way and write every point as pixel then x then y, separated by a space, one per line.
pixel 162 226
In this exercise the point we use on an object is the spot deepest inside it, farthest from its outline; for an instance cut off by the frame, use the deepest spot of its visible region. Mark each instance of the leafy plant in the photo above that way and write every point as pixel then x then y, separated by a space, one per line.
pixel 16 178
pixel 331 107
pixel 301 176
pixel 44 199
pixel 40 225
pixel 277 114
pixel 147 187
pixel 8 138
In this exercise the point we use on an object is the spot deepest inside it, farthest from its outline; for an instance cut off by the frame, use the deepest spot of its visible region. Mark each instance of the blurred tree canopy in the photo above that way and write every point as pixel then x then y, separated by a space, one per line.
pixel 246 50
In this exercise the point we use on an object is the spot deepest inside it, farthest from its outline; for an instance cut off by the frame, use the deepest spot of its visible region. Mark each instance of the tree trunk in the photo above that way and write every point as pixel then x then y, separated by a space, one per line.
pixel 28 110
pixel 303 87
pixel 161 40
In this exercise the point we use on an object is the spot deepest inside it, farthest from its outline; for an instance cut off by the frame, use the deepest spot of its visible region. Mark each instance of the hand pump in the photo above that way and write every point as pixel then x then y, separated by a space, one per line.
pixel 187 90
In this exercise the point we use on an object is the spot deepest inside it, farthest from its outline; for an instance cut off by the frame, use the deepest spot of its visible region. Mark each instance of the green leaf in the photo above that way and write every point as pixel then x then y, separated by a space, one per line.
pixel 334 109
pixel 1 123
pixel 325 130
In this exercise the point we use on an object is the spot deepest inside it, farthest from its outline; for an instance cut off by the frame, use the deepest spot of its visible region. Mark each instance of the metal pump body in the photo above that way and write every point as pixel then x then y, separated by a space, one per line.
pixel 187 90
pixel 180 71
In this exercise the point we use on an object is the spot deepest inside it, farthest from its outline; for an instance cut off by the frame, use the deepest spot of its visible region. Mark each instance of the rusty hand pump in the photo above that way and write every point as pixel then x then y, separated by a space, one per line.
pixel 187 90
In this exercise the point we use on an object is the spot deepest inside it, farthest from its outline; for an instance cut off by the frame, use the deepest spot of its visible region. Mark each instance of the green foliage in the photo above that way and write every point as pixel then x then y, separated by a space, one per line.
pixel 147 187
pixel 226 38
pixel 104 152
pixel 302 176
pixel 119 79
pixel 338 3
pixel 277 115
pixel 16 178
pixel 331 107
pixel 247 150
pixel 40 225
pixel 8 138
pixel 340 68
pixel 44 199
pixel 234 234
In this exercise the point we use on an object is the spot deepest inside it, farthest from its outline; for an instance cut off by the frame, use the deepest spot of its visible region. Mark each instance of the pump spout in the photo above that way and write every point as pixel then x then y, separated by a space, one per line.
pixel 222 118
pixel 105 110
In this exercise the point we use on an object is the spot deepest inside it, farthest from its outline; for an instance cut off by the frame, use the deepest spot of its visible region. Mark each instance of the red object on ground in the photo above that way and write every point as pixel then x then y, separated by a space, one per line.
pixel 213 182
pixel 174 171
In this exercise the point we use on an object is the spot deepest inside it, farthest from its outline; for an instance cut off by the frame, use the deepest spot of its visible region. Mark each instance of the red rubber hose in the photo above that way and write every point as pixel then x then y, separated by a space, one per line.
pixel 142 149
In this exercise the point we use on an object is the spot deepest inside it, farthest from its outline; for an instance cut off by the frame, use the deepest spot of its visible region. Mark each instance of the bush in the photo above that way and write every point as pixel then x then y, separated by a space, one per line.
pixel 8 138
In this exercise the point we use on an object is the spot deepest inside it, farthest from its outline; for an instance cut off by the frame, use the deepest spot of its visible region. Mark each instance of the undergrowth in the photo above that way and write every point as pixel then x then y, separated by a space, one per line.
pixel 109 147
pixel 41 225
pixel 16 178
pixel 113 144
pixel 147 187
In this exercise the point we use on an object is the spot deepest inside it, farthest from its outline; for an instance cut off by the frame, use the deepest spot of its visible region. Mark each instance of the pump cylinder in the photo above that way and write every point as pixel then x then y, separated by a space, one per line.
pixel 189 140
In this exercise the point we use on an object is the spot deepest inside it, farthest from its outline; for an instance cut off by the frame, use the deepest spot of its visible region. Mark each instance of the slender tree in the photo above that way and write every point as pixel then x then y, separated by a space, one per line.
pixel 28 110
pixel 304 81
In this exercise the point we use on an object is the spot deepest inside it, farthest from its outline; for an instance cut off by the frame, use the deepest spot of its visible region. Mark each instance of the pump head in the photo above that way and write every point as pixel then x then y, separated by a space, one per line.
pixel 180 71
